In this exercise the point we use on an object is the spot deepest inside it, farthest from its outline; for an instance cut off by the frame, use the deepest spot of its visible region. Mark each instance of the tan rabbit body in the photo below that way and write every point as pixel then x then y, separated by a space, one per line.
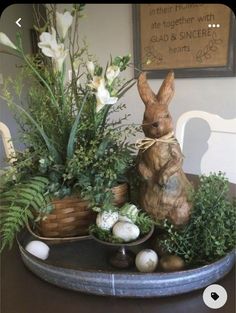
pixel 164 187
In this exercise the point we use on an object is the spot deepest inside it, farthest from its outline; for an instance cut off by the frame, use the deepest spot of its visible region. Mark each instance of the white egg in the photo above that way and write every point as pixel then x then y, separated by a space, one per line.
pixel 38 249
pixel 146 261
pixel 126 231
pixel 105 220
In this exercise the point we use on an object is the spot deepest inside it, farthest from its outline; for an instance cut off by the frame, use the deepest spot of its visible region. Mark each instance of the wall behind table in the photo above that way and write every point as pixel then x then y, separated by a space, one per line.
pixel 10 65
pixel 108 29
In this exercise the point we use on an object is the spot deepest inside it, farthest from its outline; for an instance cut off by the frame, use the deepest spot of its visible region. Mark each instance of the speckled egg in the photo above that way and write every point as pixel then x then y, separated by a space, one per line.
pixel 38 249
pixel 105 220
pixel 146 261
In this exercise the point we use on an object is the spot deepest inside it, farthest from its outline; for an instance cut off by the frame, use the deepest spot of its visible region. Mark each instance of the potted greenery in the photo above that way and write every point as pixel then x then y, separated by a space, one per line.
pixel 210 233
pixel 75 154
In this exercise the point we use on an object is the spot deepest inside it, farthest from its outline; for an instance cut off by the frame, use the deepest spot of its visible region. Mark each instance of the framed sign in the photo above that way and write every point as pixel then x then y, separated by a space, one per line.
pixel 195 40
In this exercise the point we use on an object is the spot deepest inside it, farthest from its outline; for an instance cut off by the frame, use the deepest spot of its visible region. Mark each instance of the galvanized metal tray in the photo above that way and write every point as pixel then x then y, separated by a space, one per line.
pixel 83 266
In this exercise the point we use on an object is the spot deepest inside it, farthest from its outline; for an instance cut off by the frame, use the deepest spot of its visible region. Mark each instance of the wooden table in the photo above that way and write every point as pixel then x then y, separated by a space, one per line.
pixel 23 292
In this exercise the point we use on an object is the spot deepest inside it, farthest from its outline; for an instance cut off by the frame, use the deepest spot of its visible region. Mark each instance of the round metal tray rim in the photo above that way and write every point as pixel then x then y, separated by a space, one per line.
pixel 125 288
pixel 66 269
pixel 171 275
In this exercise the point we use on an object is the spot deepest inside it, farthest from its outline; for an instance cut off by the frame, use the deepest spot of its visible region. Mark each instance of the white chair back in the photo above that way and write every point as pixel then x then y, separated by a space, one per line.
pixel 221 153
pixel 7 143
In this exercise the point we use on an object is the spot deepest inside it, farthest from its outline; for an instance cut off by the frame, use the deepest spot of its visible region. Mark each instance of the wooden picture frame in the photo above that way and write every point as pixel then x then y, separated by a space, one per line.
pixel 34 41
pixel 211 55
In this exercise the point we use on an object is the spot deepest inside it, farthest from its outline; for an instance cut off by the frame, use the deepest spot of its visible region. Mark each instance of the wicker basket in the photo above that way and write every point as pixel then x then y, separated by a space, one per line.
pixel 71 215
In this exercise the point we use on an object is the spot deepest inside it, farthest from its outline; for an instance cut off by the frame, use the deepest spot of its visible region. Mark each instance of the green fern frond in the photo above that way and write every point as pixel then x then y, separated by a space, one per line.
pixel 17 204
pixel 11 224
pixel 144 222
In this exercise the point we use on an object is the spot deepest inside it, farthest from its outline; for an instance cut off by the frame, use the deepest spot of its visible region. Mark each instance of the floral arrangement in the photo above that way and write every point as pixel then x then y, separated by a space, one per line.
pixel 72 144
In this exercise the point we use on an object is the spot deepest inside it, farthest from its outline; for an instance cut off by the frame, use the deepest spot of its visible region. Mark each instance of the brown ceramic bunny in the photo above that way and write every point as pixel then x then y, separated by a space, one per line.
pixel 164 186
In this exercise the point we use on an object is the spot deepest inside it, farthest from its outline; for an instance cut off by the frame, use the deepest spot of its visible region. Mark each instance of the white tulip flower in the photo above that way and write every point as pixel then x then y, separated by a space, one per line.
pixel 52 49
pixel 112 72
pixel 103 97
pixel 4 40
pixel 64 22
pixel 91 67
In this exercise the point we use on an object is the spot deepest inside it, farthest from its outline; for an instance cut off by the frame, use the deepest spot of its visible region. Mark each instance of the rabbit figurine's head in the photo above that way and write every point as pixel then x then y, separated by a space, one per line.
pixel 157 121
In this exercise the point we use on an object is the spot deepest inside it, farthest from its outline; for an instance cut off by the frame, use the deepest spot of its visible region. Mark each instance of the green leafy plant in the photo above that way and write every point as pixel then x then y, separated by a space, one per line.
pixel 17 204
pixel 100 164
pixel 211 232
pixel 144 222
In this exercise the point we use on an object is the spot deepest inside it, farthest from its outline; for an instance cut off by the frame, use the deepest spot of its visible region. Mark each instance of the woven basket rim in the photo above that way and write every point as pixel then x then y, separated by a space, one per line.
pixel 56 239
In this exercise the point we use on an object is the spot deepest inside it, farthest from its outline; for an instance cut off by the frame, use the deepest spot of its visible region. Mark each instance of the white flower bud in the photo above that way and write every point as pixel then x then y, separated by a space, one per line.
pixel 4 40
pixel 91 67
pixel 64 22
pixel 103 97
pixel 112 72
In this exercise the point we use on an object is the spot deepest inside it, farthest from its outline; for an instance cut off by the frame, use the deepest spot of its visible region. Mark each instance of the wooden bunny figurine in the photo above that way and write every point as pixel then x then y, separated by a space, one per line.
pixel 164 185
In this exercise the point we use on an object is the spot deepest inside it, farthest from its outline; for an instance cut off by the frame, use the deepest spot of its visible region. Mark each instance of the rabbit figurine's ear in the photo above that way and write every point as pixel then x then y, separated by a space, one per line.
pixel 145 92
pixel 167 89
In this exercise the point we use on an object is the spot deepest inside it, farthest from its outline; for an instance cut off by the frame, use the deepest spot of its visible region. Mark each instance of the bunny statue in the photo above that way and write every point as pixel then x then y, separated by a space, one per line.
pixel 164 186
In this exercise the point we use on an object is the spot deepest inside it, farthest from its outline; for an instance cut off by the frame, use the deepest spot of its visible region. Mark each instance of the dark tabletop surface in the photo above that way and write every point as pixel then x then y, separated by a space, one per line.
pixel 23 292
